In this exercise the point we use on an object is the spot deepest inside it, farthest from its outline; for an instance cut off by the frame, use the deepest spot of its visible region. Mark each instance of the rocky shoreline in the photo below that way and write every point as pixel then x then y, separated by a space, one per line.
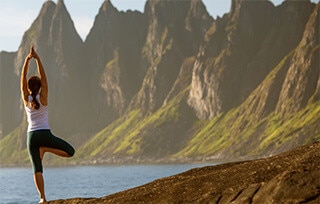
pixel 290 177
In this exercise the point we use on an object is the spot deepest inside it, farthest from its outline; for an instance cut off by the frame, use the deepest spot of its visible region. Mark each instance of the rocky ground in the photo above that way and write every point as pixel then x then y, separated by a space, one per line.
pixel 290 177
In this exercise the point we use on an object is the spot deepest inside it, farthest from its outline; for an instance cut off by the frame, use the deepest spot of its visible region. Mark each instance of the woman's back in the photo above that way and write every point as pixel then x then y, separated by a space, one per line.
pixel 37 118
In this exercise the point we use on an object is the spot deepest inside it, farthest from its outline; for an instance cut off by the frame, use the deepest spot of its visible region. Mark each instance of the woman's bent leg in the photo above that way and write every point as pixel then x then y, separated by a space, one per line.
pixel 56 146
pixel 57 152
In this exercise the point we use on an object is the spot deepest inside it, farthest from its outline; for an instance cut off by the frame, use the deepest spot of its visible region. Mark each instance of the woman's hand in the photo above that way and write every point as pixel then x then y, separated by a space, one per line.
pixel 29 56
pixel 33 53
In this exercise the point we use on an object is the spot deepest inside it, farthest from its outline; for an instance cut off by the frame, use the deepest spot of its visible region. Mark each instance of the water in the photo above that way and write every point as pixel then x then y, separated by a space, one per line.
pixel 17 186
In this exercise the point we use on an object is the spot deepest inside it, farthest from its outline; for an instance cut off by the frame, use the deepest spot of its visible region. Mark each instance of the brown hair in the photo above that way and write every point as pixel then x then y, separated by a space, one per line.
pixel 34 84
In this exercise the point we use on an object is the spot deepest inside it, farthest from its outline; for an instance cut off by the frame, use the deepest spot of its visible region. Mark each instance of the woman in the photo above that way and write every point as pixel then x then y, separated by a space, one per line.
pixel 39 137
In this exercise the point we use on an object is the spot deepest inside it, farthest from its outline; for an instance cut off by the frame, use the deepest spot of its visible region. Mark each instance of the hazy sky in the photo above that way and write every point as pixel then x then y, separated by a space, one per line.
pixel 16 16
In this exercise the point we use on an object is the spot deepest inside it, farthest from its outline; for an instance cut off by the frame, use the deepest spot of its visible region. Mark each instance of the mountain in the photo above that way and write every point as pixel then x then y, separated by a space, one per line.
pixel 172 84
pixel 174 33
pixel 241 49
pixel 115 70
pixel 10 116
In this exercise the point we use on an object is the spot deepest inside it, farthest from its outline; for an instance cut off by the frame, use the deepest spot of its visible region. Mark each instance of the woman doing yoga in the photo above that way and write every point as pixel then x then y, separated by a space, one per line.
pixel 40 140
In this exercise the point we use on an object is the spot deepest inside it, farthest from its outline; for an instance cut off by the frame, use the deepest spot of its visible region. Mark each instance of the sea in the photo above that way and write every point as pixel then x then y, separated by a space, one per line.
pixel 17 185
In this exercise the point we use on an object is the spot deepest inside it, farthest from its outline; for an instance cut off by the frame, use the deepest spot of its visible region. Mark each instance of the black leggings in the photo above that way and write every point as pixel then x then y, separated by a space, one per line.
pixel 44 138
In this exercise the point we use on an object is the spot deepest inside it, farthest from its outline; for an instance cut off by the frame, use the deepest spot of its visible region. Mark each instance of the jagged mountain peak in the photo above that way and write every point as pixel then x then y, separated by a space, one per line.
pixel 107 6
pixel 239 8
pixel 37 30
pixel 47 5
pixel 53 19
pixel 62 22
pixel 60 2
pixel 174 10
pixel 60 6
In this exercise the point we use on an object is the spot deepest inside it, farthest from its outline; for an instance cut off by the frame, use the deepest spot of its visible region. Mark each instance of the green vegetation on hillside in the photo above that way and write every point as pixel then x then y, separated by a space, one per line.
pixel 10 152
pixel 124 136
pixel 223 134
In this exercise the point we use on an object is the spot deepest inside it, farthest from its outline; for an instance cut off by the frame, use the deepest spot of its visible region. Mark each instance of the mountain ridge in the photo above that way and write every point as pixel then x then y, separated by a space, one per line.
pixel 183 87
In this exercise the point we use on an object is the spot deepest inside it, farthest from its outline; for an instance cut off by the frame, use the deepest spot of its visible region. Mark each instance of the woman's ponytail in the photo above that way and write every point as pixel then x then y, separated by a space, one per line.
pixel 35 103
pixel 34 84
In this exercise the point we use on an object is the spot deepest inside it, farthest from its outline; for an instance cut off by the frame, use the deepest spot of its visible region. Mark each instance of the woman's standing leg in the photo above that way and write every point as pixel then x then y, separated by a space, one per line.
pixel 34 153
pixel 39 181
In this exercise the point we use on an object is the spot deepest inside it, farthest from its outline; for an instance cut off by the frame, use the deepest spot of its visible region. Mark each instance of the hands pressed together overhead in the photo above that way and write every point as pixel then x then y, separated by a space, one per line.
pixel 32 53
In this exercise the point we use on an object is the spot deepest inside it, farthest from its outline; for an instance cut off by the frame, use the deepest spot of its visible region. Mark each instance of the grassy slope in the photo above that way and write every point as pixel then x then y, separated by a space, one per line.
pixel 124 136
pixel 222 135
pixel 254 128
pixel 9 150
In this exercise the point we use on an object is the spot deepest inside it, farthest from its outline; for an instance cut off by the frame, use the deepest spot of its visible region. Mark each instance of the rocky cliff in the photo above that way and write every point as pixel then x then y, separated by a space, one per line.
pixel 115 70
pixel 241 49
pixel 175 30
pixel 172 83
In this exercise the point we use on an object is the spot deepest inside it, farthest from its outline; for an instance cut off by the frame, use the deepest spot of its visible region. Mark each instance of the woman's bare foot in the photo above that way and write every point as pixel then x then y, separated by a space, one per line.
pixel 42 200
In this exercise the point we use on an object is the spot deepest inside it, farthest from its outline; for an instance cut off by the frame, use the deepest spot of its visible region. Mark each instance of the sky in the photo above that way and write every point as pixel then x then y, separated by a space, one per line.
pixel 16 16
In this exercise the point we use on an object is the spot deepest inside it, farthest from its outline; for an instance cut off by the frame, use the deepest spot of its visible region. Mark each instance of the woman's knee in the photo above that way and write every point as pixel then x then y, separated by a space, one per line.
pixel 35 159
pixel 71 151
pixel 36 165
pixel 63 145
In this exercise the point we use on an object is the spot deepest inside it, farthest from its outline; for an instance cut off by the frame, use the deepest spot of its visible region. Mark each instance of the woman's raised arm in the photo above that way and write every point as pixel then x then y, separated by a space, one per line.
pixel 23 82
pixel 43 77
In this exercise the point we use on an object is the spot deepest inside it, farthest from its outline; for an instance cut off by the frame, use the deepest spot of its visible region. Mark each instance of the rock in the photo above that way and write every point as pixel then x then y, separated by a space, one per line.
pixel 291 177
